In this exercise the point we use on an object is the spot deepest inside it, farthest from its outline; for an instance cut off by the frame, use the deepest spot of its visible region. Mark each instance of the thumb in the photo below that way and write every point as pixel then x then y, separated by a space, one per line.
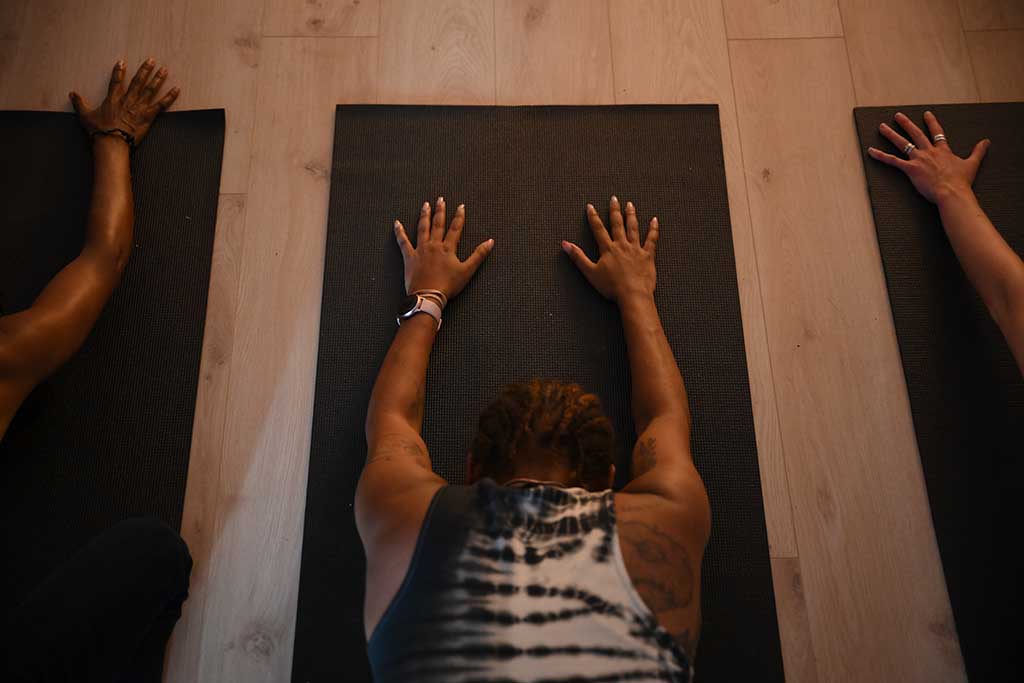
pixel 979 151
pixel 578 257
pixel 78 103
pixel 479 254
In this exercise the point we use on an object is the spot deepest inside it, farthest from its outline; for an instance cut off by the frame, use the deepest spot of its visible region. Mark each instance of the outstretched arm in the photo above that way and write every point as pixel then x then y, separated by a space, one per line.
pixel 945 179
pixel 625 273
pixel 397 457
pixel 35 342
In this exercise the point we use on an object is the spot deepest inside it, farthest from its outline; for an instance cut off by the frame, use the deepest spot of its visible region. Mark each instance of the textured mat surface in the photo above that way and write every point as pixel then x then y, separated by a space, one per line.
pixel 108 436
pixel 966 393
pixel 525 175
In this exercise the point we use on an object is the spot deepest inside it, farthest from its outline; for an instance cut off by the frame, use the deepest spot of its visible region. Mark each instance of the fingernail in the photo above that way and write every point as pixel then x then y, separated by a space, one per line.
pixel 425 207
pixel 162 71
pixel 566 248
pixel 629 206
pixel 120 64
pixel 440 200
pixel 615 199
pixel 655 220
pixel 462 207
pixel 590 207
pixel 490 243
pixel 397 224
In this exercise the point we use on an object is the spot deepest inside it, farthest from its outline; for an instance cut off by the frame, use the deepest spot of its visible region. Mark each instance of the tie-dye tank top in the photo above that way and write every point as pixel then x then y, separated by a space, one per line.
pixel 521 584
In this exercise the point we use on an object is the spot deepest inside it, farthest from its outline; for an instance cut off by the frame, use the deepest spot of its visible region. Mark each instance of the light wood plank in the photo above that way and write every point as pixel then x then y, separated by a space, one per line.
pixel 988 14
pixel 553 52
pixel 998 58
pixel 212 50
pixel 63 47
pixel 437 53
pixel 782 18
pixel 676 52
pixel 248 625
pixel 205 464
pixel 874 587
pixel 794 627
pixel 321 18
pixel 12 18
pixel 907 52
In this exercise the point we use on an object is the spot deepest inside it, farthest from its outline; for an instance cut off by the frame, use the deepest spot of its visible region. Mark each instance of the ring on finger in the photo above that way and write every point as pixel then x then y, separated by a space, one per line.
pixel 941 137
pixel 909 148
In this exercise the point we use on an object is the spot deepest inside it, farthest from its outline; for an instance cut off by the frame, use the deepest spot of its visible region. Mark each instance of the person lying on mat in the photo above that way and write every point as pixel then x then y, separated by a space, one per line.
pixel 536 568
pixel 106 614
pixel 945 179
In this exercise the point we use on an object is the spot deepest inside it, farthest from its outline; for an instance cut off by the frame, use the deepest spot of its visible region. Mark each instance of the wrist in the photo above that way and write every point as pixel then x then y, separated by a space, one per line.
pixel 110 145
pixel 947 193
pixel 635 299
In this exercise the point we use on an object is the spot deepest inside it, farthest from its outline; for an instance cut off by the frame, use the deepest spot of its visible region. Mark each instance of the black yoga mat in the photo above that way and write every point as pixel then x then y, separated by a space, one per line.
pixel 108 436
pixel 525 175
pixel 966 393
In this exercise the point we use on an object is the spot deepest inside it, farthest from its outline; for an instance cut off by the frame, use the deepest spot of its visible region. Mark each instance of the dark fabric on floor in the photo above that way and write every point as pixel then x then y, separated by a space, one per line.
pixel 966 393
pixel 108 436
pixel 525 175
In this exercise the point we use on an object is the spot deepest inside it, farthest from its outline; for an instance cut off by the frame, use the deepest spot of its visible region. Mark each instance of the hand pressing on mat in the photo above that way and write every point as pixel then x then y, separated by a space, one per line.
pixel 931 165
pixel 946 180
pixel 434 262
pixel 625 266
pixel 127 112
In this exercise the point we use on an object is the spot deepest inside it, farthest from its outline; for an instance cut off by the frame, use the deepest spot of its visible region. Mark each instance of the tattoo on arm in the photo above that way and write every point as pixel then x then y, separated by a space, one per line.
pixel 645 456
pixel 655 551
pixel 391 447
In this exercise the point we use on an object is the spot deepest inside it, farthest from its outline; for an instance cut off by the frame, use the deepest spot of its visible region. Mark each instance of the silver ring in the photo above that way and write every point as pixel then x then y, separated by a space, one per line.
pixel 909 148
pixel 939 138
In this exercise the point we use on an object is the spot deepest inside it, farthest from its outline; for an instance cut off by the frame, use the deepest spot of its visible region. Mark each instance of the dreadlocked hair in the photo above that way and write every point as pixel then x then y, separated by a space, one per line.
pixel 544 417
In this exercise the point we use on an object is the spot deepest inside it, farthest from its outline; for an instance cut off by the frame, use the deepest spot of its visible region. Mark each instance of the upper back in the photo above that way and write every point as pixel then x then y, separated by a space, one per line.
pixel 512 582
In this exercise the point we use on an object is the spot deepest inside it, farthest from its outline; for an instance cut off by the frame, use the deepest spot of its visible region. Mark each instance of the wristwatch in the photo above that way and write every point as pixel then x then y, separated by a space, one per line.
pixel 415 303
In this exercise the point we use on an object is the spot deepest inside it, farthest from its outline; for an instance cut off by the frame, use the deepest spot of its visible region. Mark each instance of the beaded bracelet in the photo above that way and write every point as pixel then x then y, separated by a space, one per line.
pixel 124 135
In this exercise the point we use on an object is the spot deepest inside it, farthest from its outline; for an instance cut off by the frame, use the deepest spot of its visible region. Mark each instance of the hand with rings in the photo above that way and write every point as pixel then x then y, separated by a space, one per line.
pixel 930 164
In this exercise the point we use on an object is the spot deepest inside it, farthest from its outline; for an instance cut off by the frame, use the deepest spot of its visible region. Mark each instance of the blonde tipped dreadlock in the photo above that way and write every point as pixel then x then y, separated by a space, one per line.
pixel 543 416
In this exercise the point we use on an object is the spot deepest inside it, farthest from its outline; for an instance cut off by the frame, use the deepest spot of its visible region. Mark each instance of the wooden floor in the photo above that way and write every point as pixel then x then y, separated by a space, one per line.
pixel 859 586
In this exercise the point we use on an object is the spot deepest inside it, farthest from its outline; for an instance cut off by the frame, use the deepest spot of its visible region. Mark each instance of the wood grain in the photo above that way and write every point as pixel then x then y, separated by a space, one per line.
pixel 907 52
pixel 877 610
pixel 988 14
pixel 782 18
pixel 553 52
pixel 53 55
pixel 676 52
pixel 252 582
pixel 321 17
pixel 998 59
pixel 794 627
pixel 12 19
pixel 211 49
pixel 206 461
pixel 437 53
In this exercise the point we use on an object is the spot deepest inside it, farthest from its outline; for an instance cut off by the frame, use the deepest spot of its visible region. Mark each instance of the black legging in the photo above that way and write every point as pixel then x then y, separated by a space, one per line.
pixel 106 614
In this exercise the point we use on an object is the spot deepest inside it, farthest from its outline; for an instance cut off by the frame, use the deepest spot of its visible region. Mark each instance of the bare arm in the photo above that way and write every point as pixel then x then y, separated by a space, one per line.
pixel 35 342
pixel 625 273
pixel 397 458
pixel 994 269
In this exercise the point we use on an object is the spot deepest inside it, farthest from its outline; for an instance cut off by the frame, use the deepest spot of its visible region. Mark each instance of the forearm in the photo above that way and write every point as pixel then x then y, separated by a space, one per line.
pixel 657 386
pixel 111 211
pixel 993 268
pixel 47 334
pixel 397 398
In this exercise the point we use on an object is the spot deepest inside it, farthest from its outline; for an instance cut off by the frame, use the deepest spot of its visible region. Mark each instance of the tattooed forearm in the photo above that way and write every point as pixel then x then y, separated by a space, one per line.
pixel 645 456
